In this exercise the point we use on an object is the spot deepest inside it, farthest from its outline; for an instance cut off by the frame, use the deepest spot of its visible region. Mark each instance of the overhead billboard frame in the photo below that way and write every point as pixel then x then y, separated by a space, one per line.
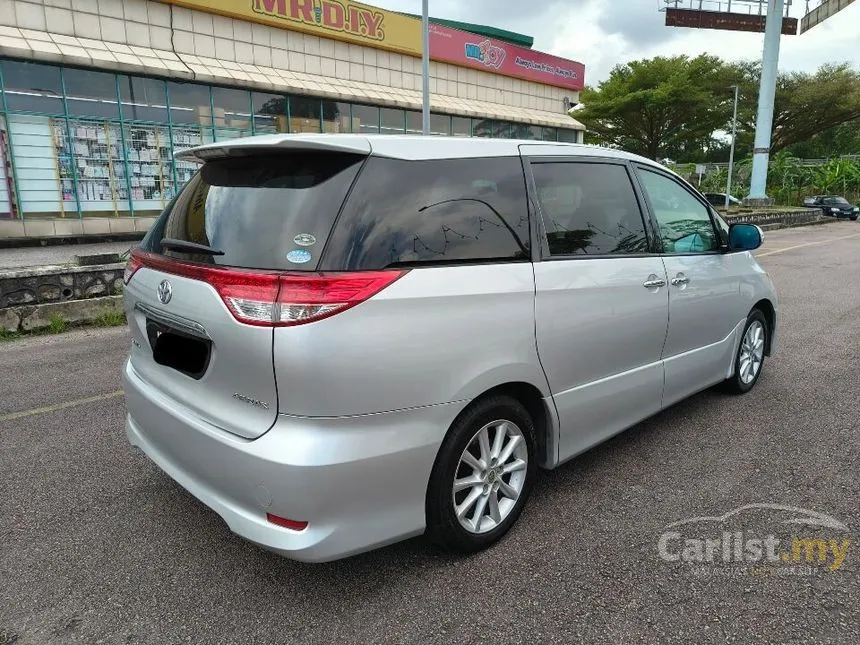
pixel 726 15
pixel 825 10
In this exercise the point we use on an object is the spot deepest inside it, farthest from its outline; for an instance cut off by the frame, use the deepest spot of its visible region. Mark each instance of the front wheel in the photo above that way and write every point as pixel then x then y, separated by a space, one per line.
pixel 854 218
pixel 482 476
pixel 749 361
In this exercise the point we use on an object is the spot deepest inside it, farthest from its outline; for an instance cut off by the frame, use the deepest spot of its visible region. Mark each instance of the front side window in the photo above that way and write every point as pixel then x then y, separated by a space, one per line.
pixel 684 222
pixel 423 213
pixel 589 209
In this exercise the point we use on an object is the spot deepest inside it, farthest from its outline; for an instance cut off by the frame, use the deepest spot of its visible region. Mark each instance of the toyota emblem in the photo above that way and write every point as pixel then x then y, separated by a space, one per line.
pixel 165 292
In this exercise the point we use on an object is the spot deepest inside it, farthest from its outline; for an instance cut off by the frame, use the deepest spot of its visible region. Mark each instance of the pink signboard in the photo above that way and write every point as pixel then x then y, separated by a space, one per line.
pixel 470 50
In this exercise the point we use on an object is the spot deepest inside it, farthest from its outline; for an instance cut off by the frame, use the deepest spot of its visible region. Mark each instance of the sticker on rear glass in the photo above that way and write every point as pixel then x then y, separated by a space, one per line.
pixel 299 256
pixel 305 239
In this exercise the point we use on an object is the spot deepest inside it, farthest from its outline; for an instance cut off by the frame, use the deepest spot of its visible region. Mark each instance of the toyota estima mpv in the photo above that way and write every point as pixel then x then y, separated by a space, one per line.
pixel 341 341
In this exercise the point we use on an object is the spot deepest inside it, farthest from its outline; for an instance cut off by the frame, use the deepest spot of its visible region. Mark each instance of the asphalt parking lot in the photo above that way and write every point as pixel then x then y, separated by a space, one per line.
pixel 98 546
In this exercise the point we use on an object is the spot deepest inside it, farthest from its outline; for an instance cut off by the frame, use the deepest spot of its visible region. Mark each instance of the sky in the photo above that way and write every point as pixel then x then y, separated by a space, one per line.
pixel 604 33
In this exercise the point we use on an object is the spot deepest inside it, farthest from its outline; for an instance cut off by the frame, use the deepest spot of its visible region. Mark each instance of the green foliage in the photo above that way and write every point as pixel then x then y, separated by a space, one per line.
pixel 839 140
pixel 789 181
pixel 57 324
pixel 674 107
pixel 806 105
pixel 5 334
pixel 661 106
pixel 110 318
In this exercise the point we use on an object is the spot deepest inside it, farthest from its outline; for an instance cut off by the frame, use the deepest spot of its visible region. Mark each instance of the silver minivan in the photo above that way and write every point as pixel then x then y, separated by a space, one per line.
pixel 341 341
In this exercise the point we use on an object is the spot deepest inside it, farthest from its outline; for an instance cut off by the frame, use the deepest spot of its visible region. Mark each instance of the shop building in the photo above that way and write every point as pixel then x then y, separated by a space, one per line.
pixel 98 94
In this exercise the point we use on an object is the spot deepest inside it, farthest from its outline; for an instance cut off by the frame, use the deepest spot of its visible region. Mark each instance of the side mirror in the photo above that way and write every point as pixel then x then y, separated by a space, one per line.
pixel 745 237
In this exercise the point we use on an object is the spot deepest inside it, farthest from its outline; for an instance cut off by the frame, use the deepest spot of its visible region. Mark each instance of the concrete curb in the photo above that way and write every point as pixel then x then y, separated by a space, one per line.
pixel 35 317
pixel 780 225
pixel 71 240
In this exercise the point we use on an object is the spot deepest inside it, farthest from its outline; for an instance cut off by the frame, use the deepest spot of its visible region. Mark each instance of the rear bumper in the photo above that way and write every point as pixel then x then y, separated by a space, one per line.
pixel 360 482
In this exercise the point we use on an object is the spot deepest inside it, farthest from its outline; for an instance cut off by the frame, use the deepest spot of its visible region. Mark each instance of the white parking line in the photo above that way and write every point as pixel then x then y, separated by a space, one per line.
pixel 60 406
pixel 800 246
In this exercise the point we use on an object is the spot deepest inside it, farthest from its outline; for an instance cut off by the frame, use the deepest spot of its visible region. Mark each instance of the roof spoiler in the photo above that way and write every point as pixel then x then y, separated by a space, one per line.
pixel 276 143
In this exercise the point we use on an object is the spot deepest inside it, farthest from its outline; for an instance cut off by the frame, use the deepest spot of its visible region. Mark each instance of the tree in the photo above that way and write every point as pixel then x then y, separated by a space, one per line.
pixel 661 106
pixel 806 105
pixel 841 140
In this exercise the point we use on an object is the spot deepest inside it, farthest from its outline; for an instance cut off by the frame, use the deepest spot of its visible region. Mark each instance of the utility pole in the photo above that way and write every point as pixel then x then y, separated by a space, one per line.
pixel 425 67
pixel 732 151
pixel 767 94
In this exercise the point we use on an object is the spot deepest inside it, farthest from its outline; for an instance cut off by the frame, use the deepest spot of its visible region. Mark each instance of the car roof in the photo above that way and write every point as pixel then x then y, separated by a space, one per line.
pixel 407 147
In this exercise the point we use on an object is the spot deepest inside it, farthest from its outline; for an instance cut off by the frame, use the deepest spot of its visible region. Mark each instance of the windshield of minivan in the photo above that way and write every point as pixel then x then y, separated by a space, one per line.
pixel 836 201
pixel 271 211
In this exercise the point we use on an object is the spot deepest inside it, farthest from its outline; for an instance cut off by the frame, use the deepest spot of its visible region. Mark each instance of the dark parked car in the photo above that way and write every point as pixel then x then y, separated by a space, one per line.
pixel 833 205
pixel 719 200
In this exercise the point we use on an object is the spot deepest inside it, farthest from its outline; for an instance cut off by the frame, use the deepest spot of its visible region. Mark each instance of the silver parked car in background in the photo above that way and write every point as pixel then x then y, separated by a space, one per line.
pixel 341 341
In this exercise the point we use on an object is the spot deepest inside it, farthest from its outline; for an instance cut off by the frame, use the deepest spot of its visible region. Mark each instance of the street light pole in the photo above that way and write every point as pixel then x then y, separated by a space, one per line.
pixel 425 67
pixel 732 151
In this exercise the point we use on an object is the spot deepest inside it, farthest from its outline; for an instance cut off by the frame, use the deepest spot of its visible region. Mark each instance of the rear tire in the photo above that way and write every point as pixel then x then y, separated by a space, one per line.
pixel 485 469
pixel 749 360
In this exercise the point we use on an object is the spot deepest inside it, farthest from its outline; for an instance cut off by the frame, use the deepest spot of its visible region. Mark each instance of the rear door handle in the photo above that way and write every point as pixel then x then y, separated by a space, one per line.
pixel 680 279
pixel 654 284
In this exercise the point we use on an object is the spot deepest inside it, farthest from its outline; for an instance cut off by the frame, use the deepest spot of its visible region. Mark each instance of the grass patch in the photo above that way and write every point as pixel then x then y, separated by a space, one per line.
pixel 57 324
pixel 5 334
pixel 110 318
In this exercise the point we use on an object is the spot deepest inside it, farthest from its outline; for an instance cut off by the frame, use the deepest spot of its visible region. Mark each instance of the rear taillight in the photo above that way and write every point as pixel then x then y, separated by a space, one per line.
pixel 280 299
pixel 131 266
pixel 314 297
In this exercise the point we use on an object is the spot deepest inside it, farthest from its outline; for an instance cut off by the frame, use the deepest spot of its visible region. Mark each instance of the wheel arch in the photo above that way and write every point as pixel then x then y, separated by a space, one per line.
pixel 766 307
pixel 541 410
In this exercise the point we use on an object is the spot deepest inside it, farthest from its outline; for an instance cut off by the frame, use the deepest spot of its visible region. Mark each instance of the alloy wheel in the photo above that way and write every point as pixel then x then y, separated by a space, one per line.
pixel 490 476
pixel 752 352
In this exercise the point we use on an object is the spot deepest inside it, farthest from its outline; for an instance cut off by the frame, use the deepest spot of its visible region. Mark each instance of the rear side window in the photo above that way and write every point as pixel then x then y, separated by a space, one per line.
pixel 422 213
pixel 589 209
pixel 261 212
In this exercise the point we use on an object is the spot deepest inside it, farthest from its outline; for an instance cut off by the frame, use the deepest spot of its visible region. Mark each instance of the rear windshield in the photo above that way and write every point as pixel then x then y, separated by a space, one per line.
pixel 261 212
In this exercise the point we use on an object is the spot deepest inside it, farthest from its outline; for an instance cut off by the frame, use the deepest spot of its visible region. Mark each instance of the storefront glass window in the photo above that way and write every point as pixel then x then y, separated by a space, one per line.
pixel 392 121
pixel 440 124
pixel 567 136
pixel 232 108
pixel 270 113
pixel 414 122
pixel 501 130
pixel 461 126
pixel 365 118
pixel 78 159
pixel 91 93
pixel 482 128
pixel 189 103
pixel 32 87
pixel 336 117
pixel 143 99
pixel 520 131
pixel 305 114
pixel 531 132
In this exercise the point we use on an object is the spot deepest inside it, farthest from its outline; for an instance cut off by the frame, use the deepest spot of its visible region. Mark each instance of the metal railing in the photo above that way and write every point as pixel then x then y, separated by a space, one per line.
pixel 753 7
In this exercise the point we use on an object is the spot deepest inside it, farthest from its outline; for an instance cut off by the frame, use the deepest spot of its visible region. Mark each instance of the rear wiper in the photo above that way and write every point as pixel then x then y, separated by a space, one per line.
pixel 190 247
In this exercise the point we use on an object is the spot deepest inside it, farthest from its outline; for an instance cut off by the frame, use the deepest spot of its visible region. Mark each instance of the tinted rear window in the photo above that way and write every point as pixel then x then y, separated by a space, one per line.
pixel 589 209
pixel 263 212
pixel 424 213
